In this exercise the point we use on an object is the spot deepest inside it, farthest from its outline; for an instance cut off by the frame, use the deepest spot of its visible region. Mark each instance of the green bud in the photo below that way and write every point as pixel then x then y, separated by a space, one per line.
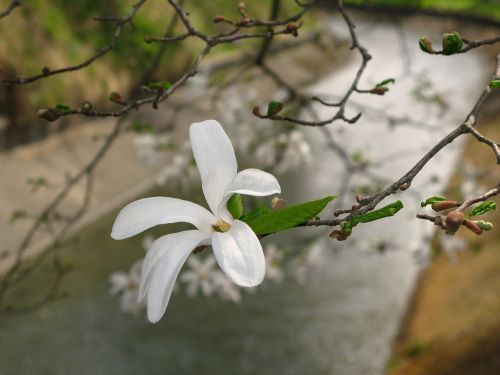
pixel 484 225
pixel 274 107
pixel 425 45
pixel 452 43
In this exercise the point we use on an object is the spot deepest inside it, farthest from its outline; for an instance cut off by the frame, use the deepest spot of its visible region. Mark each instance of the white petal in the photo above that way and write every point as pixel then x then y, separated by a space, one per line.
pixel 240 254
pixel 168 254
pixel 215 159
pixel 250 182
pixel 160 248
pixel 148 212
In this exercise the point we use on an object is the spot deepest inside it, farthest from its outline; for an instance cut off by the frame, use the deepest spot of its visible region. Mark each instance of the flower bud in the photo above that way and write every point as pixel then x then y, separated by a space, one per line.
pixel 454 220
pixel 379 90
pixel 45 71
pixel 404 186
pixel 473 227
pixel 277 203
pixel 256 111
pixel 338 235
pixel 218 19
pixel 444 205
pixel 87 106
pixel 425 45
pixel 48 114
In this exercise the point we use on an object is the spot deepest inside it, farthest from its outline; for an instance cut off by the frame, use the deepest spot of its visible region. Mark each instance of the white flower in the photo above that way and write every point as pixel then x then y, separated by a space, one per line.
pixel 178 173
pixel 149 148
pixel 225 288
pixel 274 257
pixel 297 152
pixel 236 247
pixel 127 286
pixel 199 276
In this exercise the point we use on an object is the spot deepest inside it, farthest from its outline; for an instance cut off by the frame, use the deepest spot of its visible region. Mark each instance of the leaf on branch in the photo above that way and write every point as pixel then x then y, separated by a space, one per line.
pixel 452 43
pixel 63 107
pixel 17 215
pixel 483 208
pixel 389 210
pixel 495 84
pixel 140 127
pixel 235 206
pixel 432 200
pixel 160 85
pixel 274 107
pixel 385 82
pixel 285 218
pixel 252 215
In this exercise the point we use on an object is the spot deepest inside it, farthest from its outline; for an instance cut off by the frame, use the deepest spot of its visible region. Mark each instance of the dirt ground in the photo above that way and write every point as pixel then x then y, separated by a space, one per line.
pixel 453 323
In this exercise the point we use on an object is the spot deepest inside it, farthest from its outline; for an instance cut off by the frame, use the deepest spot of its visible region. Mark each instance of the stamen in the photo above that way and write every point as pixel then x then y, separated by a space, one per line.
pixel 221 226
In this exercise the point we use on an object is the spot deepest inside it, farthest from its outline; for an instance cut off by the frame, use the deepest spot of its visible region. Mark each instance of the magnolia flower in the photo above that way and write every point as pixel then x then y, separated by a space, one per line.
pixel 236 247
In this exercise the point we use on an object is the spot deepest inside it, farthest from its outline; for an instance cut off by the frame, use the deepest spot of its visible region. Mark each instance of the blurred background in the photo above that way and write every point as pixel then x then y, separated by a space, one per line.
pixel 395 298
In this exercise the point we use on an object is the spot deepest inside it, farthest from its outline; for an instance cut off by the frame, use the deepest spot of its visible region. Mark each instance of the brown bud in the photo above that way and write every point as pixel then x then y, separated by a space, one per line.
pixel 116 98
pixel 338 235
pixel 256 111
pixel 359 198
pixel 278 203
pixel 292 28
pixel 45 71
pixel 241 6
pixel 48 114
pixel 379 90
pixel 454 220
pixel 473 227
pixel 245 21
pixel 218 19
pixel 404 186
pixel 444 205
pixel 148 39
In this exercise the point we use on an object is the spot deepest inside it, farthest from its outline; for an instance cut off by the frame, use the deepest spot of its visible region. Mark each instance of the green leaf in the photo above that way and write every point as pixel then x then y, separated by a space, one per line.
pixel 286 218
pixel 163 85
pixel 389 210
pixel 483 208
pixel 235 206
pixel 432 200
pixel 274 107
pixel 484 225
pixel 495 84
pixel 16 215
pixel 63 107
pixel 425 45
pixel 386 82
pixel 452 43
pixel 139 126
pixel 250 216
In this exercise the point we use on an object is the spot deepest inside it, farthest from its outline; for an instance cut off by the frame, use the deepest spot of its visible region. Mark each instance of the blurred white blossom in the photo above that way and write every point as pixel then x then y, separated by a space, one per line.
pixel 180 173
pixel 301 266
pixel 199 276
pixel 226 290
pixel 274 258
pixel 149 150
pixel 126 286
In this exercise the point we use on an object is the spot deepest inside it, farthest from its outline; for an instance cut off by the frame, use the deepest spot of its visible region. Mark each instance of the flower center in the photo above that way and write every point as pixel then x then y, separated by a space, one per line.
pixel 221 226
